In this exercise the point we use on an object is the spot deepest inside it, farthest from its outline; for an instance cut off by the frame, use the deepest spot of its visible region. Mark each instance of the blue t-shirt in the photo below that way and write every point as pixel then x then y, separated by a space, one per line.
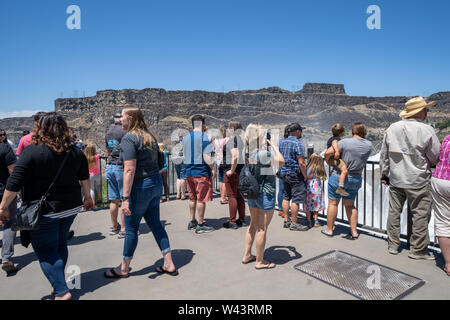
pixel 195 144
pixel 291 148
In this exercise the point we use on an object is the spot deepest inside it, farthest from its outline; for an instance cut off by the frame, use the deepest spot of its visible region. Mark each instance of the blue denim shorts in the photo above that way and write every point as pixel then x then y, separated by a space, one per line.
pixel 265 202
pixel 352 185
pixel 114 176
pixel 221 174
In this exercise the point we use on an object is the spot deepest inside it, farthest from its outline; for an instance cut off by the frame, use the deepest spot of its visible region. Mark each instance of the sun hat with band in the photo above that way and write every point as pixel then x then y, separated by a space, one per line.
pixel 414 106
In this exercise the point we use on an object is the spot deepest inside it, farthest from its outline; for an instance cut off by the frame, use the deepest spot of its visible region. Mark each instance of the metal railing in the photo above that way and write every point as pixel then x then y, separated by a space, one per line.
pixel 372 205
pixel 371 213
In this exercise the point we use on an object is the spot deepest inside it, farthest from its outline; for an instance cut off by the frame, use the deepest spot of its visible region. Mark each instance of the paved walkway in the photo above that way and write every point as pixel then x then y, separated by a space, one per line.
pixel 209 264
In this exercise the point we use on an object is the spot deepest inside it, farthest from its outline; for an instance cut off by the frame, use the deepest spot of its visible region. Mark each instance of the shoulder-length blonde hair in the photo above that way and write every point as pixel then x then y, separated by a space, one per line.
pixel 254 136
pixel 317 169
pixel 139 127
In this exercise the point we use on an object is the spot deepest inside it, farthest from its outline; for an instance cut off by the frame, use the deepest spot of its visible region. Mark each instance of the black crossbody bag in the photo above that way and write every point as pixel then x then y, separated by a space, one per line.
pixel 29 214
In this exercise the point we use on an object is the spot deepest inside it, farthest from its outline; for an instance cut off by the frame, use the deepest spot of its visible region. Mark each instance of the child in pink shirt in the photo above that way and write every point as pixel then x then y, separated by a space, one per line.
pixel 94 171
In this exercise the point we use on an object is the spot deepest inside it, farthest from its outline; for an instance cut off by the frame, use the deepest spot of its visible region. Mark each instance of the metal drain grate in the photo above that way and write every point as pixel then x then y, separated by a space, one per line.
pixel 364 279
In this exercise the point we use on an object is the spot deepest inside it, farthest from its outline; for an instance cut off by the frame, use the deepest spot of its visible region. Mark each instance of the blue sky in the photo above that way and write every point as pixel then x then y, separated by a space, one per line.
pixel 219 45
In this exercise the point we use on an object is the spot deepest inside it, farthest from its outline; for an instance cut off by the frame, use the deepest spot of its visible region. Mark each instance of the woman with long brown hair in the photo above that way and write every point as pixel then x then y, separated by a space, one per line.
pixel 142 187
pixel 34 172
pixel 233 162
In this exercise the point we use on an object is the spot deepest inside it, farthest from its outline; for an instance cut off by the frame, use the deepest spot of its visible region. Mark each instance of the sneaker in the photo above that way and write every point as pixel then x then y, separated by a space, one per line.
pixel 422 256
pixel 113 231
pixel 286 224
pixel 392 250
pixel 298 227
pixel 240 223
pixel 121 235
pixel 192 224
pixel 230 224
pixel 341 191
pixel 203 228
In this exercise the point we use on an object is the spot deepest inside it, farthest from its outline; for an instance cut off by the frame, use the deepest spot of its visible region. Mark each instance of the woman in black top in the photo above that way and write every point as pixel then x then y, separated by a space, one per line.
pixel 233 159
pixel 34 172
pixel 142 188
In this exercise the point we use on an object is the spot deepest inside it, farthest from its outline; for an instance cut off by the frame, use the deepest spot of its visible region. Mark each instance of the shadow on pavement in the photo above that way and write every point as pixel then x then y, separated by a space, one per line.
pixel 145 229
pixel 216 223
pixel 180 257
pixel 93 280
pixel 77 240
pixel 281 254
pixel 25 260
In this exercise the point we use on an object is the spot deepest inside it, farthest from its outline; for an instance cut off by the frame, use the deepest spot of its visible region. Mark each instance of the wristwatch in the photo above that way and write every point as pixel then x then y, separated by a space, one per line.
pixel 125 198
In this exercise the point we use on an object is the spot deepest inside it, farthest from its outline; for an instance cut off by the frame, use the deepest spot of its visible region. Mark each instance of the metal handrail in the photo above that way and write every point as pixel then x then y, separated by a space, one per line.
pixel 376 184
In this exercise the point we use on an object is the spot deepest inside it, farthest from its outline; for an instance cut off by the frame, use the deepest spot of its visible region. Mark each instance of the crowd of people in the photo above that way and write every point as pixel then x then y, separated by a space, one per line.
pixel 137 171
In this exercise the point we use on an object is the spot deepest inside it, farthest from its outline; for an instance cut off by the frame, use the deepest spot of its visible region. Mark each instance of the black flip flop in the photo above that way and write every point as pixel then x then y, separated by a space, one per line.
pixel 328 235
pixel 351 237
pixel 115 275
pixel 162 270
pixel 253 259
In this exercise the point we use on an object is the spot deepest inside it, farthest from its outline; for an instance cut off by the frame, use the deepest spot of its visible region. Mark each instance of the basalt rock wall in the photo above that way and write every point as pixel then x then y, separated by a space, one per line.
pixel 316 106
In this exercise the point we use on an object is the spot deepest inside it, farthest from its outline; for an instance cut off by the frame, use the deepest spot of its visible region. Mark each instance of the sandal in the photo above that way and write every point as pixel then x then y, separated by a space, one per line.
pixel 121 235
pixel 351 237
pixel 316 224
pixel 162 270
pixel 225 202
pixel 9 267
pixel 115 275
pixel 323 231
pixel 270 265
pixel 252 259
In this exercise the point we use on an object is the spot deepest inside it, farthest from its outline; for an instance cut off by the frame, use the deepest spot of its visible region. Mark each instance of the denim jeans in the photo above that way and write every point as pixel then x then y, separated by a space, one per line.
pixel 280 193
pixel 50 245
pixel 144 203
pixel 8 235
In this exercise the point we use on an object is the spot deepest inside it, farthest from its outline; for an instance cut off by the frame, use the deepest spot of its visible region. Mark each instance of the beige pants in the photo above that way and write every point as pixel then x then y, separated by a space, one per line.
pixel 441 204
pixel 419 202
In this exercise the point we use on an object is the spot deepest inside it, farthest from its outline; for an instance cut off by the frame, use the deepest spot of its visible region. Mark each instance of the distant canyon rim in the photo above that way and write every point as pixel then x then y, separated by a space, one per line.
pixel 316 107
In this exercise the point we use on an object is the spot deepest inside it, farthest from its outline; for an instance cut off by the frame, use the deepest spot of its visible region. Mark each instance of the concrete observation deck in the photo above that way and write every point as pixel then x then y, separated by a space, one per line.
pixel 210 264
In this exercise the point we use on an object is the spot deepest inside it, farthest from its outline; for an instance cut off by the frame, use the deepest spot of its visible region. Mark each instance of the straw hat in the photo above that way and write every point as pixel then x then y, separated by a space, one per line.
pixel 414 106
